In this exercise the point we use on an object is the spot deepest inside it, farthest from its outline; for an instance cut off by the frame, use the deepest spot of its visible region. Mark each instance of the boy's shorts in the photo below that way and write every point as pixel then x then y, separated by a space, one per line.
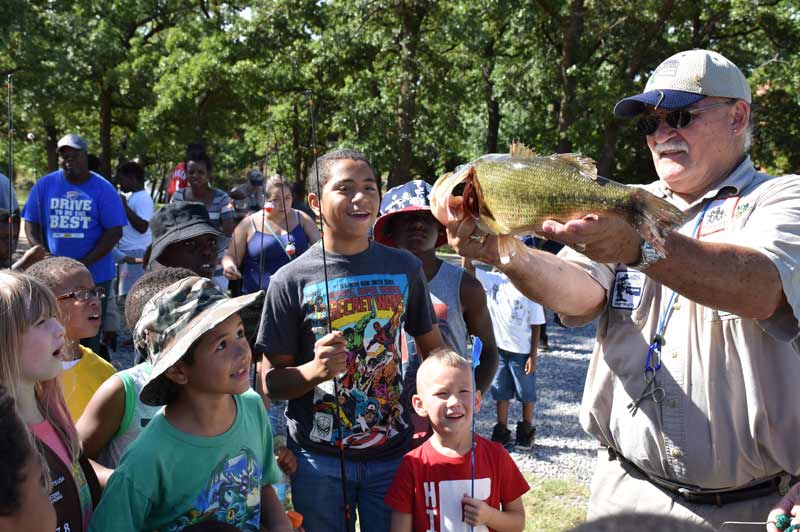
pixel 511 380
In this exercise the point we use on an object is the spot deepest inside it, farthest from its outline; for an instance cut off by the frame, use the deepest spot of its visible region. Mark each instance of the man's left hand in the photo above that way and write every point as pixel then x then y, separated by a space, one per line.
pixel 601 237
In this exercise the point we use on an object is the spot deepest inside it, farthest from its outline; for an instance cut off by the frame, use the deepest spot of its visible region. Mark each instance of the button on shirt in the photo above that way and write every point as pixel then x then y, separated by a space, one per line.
pixel 728 416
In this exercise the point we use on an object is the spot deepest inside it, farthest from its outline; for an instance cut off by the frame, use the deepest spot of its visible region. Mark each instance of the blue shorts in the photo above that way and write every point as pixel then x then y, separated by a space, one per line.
pixel 317 491
pixel 511 380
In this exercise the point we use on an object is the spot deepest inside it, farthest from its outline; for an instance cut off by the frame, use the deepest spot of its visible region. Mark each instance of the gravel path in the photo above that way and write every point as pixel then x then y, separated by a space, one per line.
pixel 562 449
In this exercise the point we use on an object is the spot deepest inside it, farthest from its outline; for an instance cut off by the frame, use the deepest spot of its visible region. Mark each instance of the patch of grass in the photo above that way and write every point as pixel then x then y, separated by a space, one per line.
pixel 554 505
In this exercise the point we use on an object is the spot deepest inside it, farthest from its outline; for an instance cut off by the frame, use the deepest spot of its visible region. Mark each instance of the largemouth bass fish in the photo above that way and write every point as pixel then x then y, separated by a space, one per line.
pixel 513 194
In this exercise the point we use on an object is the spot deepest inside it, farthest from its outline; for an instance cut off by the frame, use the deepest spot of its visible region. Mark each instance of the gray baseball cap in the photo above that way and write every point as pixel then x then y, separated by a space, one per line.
pixel 685 78
pixel 73 141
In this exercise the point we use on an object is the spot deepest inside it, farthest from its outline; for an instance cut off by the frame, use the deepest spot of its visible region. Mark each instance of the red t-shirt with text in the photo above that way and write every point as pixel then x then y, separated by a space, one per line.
pixel 430 486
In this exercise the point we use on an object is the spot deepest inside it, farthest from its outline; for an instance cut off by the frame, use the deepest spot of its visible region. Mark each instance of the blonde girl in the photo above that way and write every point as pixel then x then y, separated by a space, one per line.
pixel 31 341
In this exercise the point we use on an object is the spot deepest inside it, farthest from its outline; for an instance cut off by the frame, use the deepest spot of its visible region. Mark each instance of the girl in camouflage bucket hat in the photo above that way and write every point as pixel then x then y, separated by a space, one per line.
pixel 208 455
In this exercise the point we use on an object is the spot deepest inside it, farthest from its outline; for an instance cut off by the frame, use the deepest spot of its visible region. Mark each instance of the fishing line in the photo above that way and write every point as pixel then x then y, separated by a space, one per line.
pixel 340 445
pixel 10 87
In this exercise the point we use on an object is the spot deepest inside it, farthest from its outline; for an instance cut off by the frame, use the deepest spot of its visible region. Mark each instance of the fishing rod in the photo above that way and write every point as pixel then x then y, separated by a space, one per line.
pixel 337 408
pixel 477 348
pixel 10 87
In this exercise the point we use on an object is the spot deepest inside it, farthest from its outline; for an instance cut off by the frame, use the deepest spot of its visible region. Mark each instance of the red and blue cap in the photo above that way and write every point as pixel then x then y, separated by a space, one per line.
pixel 408 197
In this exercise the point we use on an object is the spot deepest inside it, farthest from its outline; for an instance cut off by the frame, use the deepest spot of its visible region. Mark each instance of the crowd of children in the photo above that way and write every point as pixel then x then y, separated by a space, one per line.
pixel 357 334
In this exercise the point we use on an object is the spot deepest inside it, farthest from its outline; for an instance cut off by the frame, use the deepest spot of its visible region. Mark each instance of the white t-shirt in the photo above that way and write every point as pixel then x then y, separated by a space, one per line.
pixel 141 203
pixel 512 313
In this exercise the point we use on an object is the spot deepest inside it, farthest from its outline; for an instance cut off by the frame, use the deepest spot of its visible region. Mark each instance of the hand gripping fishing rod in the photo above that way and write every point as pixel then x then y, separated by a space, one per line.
pixel 340 443
pixel 10 87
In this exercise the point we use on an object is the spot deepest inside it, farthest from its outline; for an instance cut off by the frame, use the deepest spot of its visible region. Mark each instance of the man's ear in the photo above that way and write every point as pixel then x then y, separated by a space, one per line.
pixel 313 202
pixel 741 117
pixel 177 374
pixel 419 408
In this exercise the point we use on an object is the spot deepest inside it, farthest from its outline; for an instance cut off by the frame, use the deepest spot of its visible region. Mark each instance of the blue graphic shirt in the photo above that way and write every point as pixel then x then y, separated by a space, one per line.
pixel 74 217
pixel 375 295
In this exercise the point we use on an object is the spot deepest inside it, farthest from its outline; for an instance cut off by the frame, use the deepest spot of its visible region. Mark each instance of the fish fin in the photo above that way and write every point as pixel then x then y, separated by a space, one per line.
pixel 518 149
pixel 585 165
pixel 508 246
pixel 655 218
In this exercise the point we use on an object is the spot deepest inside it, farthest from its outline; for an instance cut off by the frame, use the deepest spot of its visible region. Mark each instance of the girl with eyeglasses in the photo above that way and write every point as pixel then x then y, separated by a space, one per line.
pixel 31 347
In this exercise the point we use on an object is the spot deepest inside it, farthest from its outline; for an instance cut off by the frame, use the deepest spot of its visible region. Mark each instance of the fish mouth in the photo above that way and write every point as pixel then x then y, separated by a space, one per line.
pixel 446 200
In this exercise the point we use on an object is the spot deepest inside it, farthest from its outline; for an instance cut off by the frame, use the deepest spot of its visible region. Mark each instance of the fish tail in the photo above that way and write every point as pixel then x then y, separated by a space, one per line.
pixel 508 246
pixel 654 218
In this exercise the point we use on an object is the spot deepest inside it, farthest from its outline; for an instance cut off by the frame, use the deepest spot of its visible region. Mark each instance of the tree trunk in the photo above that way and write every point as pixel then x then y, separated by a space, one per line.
pixel 105 131
pixel 51 145
pixel 411 17
pixel 572 30
pixel 296 142
pixel 492 105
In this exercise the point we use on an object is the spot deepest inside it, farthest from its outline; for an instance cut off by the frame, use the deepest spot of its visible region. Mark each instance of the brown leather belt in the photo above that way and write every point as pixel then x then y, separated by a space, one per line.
pixel 777 485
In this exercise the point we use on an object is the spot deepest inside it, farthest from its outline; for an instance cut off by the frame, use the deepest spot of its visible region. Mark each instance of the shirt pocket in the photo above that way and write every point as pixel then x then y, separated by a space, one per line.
pixel 630 298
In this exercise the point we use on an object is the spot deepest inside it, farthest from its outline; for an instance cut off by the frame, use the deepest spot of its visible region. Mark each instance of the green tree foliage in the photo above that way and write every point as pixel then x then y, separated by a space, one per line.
pixel 419 85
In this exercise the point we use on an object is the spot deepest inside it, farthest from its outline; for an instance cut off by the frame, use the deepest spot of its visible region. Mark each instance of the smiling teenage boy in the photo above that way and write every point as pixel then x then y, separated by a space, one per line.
pixel 368 285
pixel 430 490
pixel 208 455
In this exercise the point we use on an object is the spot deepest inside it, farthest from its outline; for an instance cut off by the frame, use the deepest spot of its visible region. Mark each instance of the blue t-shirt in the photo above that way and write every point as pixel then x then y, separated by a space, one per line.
pixel 74 217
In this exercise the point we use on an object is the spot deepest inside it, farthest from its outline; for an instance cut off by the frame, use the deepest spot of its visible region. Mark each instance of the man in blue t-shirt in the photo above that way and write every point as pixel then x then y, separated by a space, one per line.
pixel 76 213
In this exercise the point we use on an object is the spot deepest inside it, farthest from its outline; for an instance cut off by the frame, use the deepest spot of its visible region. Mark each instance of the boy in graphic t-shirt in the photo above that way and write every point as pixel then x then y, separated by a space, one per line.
pixel 208 455
pixel 433 488
pixel 375 292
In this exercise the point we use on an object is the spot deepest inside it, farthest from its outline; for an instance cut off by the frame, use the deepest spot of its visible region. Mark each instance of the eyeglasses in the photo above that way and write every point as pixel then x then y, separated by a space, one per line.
pixel 679 118
pixel 98 292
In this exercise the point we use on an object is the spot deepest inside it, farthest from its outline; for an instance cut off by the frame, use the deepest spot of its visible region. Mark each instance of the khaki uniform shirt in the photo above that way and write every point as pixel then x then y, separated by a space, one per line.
pixel 730 412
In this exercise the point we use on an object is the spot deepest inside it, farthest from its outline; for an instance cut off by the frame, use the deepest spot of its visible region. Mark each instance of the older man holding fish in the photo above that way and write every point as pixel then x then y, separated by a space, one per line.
pixel 690 389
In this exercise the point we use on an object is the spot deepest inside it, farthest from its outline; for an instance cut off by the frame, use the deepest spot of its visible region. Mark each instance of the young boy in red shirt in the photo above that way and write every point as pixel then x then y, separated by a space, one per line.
pixel 429 491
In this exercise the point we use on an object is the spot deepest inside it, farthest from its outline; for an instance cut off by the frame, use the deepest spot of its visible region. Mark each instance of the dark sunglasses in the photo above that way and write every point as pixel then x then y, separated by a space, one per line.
pixel 97 292
pixel 679 118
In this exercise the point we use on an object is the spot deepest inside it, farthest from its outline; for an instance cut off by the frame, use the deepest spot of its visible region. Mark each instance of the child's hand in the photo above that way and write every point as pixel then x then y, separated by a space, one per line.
pixel 476 511
pixel 287 461
pixel 330 355
pixel 530 365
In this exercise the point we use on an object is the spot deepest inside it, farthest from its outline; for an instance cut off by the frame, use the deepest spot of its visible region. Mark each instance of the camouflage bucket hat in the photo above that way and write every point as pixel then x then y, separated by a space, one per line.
pixel 173 320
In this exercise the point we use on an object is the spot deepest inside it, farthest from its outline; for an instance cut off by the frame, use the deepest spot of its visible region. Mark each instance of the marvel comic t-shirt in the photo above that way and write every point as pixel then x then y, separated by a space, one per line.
pixel 374 296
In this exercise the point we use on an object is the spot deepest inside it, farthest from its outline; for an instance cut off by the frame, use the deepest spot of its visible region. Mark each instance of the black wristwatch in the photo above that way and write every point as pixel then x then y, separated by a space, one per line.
pixel 650 256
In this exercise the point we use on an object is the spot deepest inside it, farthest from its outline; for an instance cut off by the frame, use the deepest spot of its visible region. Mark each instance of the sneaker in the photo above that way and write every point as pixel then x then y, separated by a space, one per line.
pixel 525 433
pixel 501 434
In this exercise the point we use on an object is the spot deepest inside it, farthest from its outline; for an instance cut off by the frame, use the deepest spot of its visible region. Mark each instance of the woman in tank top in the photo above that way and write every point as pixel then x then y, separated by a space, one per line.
pixel 265 241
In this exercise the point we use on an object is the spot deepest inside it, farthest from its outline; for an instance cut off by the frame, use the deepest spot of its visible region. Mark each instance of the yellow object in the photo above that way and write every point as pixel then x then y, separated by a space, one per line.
pixel 79 382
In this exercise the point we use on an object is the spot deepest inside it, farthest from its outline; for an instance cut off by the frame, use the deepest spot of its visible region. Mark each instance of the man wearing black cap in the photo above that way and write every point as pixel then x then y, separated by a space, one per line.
pixel 76 213
pixel 183 237
pixel 689 390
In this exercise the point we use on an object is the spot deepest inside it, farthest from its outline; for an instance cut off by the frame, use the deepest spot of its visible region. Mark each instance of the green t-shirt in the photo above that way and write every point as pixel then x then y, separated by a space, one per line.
pixel 168 479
